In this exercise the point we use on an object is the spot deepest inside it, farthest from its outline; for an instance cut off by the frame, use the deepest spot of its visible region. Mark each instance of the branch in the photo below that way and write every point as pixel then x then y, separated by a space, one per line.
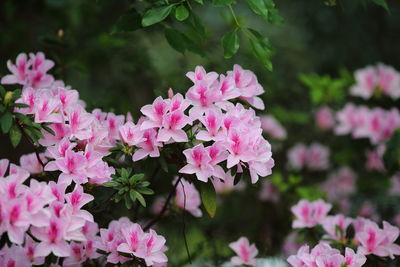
pixel 164 208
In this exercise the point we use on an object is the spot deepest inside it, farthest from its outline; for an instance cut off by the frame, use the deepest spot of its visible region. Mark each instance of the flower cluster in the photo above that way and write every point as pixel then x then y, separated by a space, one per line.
pixel 313 157
pixel 323 255
pixel 376 124
pixel 81 138
pixel 368 237
pixel 123 236
pixel 54 218
pixel 377 80
pixel 245 252
pixel 234 131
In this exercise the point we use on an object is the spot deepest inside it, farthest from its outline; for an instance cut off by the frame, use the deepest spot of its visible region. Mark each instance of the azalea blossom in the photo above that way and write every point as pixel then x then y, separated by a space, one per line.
pixel 245 252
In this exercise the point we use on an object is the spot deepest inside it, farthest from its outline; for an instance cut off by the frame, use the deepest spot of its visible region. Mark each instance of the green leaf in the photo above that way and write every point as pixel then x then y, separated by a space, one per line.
pixel 138 176
pixel 20 105
pixel 6 122
pixel 145 191
pixel 230 43
pixel 209 198
pixel 222 2
pixel 259 7
pixel 2 91
pixel 381 3
pixel 128 22
pixel 181 13
pixel 199 1
pixel 155 15
pixel 15 135
pixel 128 202
pixel 110 184
pixel 261 48
pixel 175 39
pixel 140 198
pixel 132 194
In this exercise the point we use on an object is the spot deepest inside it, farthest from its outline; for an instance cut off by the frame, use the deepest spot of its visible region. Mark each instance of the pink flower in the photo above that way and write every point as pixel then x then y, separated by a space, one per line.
pixel 172 125
pixel 246 82
pixel 79 121
pixel 72 166
pixel 297 156
pixel 324 118
pixel 200 74
pixel 154 113
pixel 52 239
pixel 19 71
pixel 202 96
pixel 318 157
pixel 30 163
pixel 245 252
pixel 188 198
pixel 375 159
pixel 227 185
pixel 273 127
pixel 331 224
pixel 366 79
pixel 354 259
pixel 37 76
pixel 340 184
pixel 308 214
pixel 46 110
pixel 131 134
pixel 197 163
pixel 152 248
pixel 133 236
pixel 149 147
pixel 212 120
pixel 113 123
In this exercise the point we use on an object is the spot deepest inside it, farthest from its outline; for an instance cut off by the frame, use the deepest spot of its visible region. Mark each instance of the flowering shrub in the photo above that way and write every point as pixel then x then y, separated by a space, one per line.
pixel 208 134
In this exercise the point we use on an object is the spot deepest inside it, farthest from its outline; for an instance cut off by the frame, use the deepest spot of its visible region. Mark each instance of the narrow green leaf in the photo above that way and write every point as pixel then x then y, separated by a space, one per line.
pixel 138 176
pixel 6 122
pixel 140 198
pixel 222 2
pixel 181 13
pixel 199 1
pixel 230 43
pixel 132 194
pixel 110 184
pixel 31 135
pixel 146 191
pixel 2 91
pixel 258 7
pixel 20 105
pixel 128 202
pixel 209 198
pixel 381 3
pixel 15 135
pixel 128 22
pixel 155 15
pixel 261 48
pixel 175 39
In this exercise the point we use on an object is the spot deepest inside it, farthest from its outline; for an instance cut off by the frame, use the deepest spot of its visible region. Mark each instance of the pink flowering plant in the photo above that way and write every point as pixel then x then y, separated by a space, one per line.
pixel 56 204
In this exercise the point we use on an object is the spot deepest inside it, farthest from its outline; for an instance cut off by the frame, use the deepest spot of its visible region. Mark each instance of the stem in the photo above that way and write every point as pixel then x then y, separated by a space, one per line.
pixel 234 16
pixel 164 208
pixel 33 145
pixel 184 224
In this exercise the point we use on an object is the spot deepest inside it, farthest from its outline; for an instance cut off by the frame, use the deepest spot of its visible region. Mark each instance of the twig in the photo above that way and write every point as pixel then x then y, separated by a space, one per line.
pixel 184 223
pixel 164 208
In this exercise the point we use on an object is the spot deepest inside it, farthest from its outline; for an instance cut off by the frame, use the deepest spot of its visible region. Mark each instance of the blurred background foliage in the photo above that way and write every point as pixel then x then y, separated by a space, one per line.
pixel 122 71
